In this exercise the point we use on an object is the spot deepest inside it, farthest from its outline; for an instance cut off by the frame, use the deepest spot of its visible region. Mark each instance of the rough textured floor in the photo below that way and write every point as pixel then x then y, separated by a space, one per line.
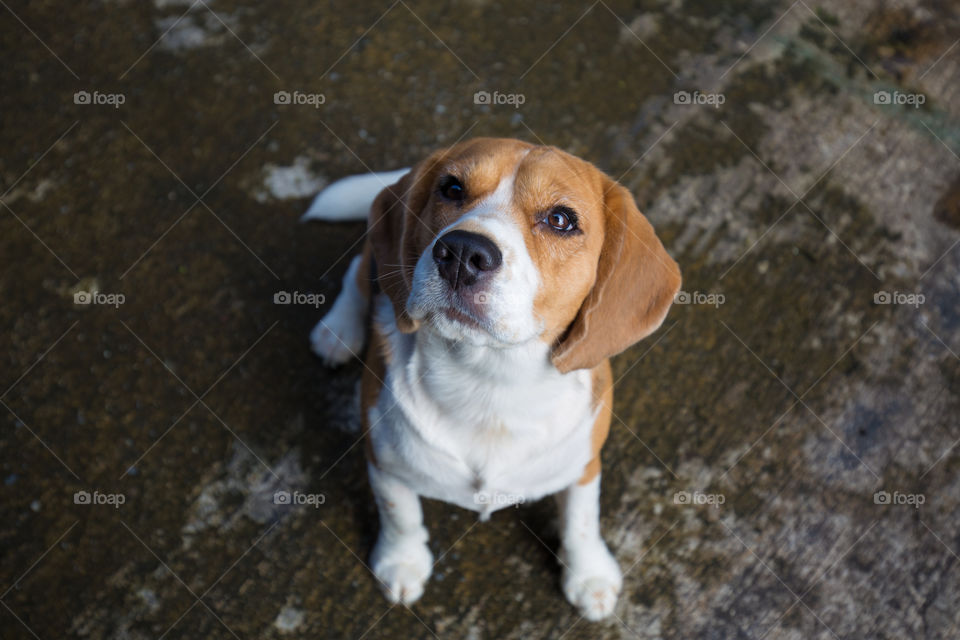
pixel 784 461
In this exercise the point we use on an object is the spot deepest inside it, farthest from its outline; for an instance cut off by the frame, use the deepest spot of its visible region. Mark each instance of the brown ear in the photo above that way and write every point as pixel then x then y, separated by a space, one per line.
pixel 635 285
pixel 393 228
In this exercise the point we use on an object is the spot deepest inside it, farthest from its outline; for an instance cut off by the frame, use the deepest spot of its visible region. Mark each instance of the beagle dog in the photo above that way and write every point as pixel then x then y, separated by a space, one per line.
pixel 496 280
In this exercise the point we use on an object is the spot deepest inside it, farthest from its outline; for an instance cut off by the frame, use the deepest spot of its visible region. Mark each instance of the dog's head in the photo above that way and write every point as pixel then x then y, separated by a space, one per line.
pixel 498 242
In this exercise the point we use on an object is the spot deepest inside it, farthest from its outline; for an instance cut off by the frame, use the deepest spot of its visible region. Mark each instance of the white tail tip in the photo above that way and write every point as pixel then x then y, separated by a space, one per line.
pixel 350 198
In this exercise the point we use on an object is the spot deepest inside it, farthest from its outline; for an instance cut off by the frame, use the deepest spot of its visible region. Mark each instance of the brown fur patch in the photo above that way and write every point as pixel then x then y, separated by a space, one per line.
pixel 601 377
pixel 376 359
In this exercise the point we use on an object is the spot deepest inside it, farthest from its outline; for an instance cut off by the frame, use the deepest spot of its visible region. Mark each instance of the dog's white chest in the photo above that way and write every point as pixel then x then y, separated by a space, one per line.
pixel 481 438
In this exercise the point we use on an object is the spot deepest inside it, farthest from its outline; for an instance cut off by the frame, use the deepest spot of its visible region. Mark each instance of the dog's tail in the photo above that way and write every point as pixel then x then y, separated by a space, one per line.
pixel 350 198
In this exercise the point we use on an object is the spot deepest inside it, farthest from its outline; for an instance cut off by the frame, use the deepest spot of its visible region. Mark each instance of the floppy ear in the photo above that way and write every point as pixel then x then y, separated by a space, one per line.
pixel 635 285
pixel 392 230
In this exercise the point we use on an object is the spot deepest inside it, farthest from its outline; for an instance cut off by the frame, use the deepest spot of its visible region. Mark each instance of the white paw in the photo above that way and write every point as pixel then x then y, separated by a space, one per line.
pixel 402 569
pixel 337 338
pixel 592 582
pixel 595 598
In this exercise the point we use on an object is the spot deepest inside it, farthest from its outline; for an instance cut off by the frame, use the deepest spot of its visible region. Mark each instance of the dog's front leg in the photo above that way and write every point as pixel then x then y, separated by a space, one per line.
pixel 401 559
pixel 591 576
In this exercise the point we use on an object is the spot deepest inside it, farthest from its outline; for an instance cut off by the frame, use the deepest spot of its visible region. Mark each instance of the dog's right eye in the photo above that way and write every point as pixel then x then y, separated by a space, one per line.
pixel 452 189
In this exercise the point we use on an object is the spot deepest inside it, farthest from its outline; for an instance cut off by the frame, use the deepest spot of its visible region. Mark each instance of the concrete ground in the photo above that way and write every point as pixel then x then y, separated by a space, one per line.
pixel 784 461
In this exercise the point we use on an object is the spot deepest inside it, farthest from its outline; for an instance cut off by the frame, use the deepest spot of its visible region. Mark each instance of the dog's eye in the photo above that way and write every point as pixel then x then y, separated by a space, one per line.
pixel 562 219
pixel 452 189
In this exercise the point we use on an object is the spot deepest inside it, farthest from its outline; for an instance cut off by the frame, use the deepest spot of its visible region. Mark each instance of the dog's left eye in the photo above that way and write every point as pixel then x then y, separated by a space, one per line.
pixel 562 219
pixel 452 189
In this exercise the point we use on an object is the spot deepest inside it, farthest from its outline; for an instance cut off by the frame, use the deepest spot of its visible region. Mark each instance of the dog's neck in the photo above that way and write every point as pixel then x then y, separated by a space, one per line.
pixel 499 365
pixel 481 383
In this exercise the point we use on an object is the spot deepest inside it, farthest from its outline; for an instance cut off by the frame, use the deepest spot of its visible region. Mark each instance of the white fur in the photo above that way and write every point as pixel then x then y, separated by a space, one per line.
pixel 401 560
pixel 350 198
pixel 591 577
pixel 480 427
pixel 340 334
pixel 479 418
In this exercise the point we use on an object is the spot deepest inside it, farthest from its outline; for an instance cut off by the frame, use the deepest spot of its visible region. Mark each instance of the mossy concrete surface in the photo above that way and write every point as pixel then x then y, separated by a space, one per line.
pixel 784 459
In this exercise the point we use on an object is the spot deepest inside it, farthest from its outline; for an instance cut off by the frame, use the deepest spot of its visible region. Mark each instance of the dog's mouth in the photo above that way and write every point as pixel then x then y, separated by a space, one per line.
pixel 471 319
pixel 460 317
pixel 475 315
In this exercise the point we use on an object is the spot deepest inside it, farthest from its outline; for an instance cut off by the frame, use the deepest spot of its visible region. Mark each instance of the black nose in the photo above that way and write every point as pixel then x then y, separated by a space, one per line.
pixel 464 257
